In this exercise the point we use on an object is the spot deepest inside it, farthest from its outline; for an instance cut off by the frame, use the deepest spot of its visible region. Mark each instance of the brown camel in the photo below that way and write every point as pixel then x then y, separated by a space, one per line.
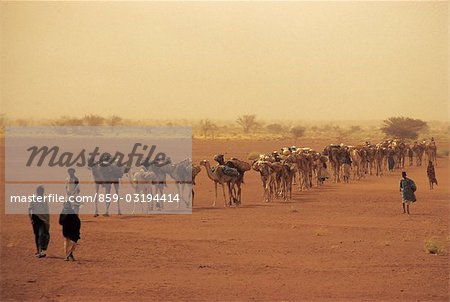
pixel 224 176
pixel 107 172
pixel 141 182
pixel 268 177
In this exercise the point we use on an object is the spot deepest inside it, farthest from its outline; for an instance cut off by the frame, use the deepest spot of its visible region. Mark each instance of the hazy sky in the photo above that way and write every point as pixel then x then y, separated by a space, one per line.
pixel 303 60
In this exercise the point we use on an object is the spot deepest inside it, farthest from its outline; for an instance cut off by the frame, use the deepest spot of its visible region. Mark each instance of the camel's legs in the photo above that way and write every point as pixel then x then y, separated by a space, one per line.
pixel 97 187
pixel 224 195
pixel 215 194
pixel 107 193
pixel 239 193
pixel 230 193
pixel 116 188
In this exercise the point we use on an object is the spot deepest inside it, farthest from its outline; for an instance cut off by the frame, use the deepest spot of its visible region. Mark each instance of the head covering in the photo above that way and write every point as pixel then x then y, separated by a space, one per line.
pixel 40 190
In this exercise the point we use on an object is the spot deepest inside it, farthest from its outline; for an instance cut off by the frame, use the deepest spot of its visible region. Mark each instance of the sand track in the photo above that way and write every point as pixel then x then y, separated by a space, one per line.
pixel 338 243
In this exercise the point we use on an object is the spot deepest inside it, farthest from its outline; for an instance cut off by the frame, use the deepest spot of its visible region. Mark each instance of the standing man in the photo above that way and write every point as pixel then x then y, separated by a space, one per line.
pixel 431 174
pixel 73 189
pixel 71 225
pixel 346 166
pixel 407 187
pixel 40 219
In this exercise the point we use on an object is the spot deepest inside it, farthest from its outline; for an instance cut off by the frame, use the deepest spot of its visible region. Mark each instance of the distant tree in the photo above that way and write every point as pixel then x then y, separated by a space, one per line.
pixel 68 121
pixel 326 128
pixel 247 122
pixel 403 127
pixel 355 128
pixel 114 120
pixel 93 120
pixel 274 128
pixel 207 127
pixel 297 131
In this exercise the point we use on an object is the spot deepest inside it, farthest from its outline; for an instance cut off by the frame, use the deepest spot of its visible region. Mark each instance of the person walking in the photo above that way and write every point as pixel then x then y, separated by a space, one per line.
pixel 431 175
pixel 407 188
pixel 40 219
pixel 71 225
pixel 73 189
pixel 346 167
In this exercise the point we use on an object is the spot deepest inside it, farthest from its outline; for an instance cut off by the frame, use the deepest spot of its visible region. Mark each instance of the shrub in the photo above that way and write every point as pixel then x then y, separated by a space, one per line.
pixel 433 246
pixel 403 127
pixel 297 131
pixel 247 122
pixel 274 128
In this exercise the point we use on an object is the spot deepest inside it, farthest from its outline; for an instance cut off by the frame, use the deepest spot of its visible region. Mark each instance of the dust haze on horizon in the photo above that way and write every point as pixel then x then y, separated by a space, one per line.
pixel 218 60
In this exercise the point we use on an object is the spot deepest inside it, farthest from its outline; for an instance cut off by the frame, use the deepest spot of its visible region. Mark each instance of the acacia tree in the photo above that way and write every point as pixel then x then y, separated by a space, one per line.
pixel 274 128
pixel 403 127
pixel 93 120
pixel 247 122
pixel 114 120
pixel 206 126
pixel 297 131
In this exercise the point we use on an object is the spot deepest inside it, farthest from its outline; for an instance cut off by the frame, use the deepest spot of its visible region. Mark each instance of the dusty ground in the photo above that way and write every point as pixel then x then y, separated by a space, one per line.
pixel 337 243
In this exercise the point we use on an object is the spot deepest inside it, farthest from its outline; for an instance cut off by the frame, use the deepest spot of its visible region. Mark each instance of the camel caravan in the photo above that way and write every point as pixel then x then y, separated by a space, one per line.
pixel 149 178
pixel 279 171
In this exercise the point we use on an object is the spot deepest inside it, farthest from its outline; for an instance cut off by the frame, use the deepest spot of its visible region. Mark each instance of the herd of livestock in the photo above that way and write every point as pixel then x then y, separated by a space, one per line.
pixel 279 170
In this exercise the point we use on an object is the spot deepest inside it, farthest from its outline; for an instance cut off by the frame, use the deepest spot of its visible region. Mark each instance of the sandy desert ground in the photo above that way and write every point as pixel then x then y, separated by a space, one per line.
pixel 340 242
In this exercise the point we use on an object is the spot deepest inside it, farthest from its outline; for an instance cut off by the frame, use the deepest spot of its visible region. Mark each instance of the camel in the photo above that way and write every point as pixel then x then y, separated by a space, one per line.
pixel 370 150
pixel 402 151
pixel 431 151
pixel 240 166
pixel 195 171
pixel 380 154
pixel 418 150
pixel 268 176
pixel 334 155
pixel 141 182
pixel 224 176
pixel 160 169
pixel 288 172
pixel 305 164
pixel 289 169
pixel 357 162
pixel 107 172
pixel 410 155
pixel 182 174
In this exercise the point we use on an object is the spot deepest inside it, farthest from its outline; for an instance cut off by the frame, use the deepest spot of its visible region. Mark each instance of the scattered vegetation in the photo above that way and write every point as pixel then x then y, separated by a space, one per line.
pixel 434 246
pixel 298 131
pixel 403 127
pixel 114 120
pixel 208 128
pixel 274 128
pixel 247 122
pixel 247 127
